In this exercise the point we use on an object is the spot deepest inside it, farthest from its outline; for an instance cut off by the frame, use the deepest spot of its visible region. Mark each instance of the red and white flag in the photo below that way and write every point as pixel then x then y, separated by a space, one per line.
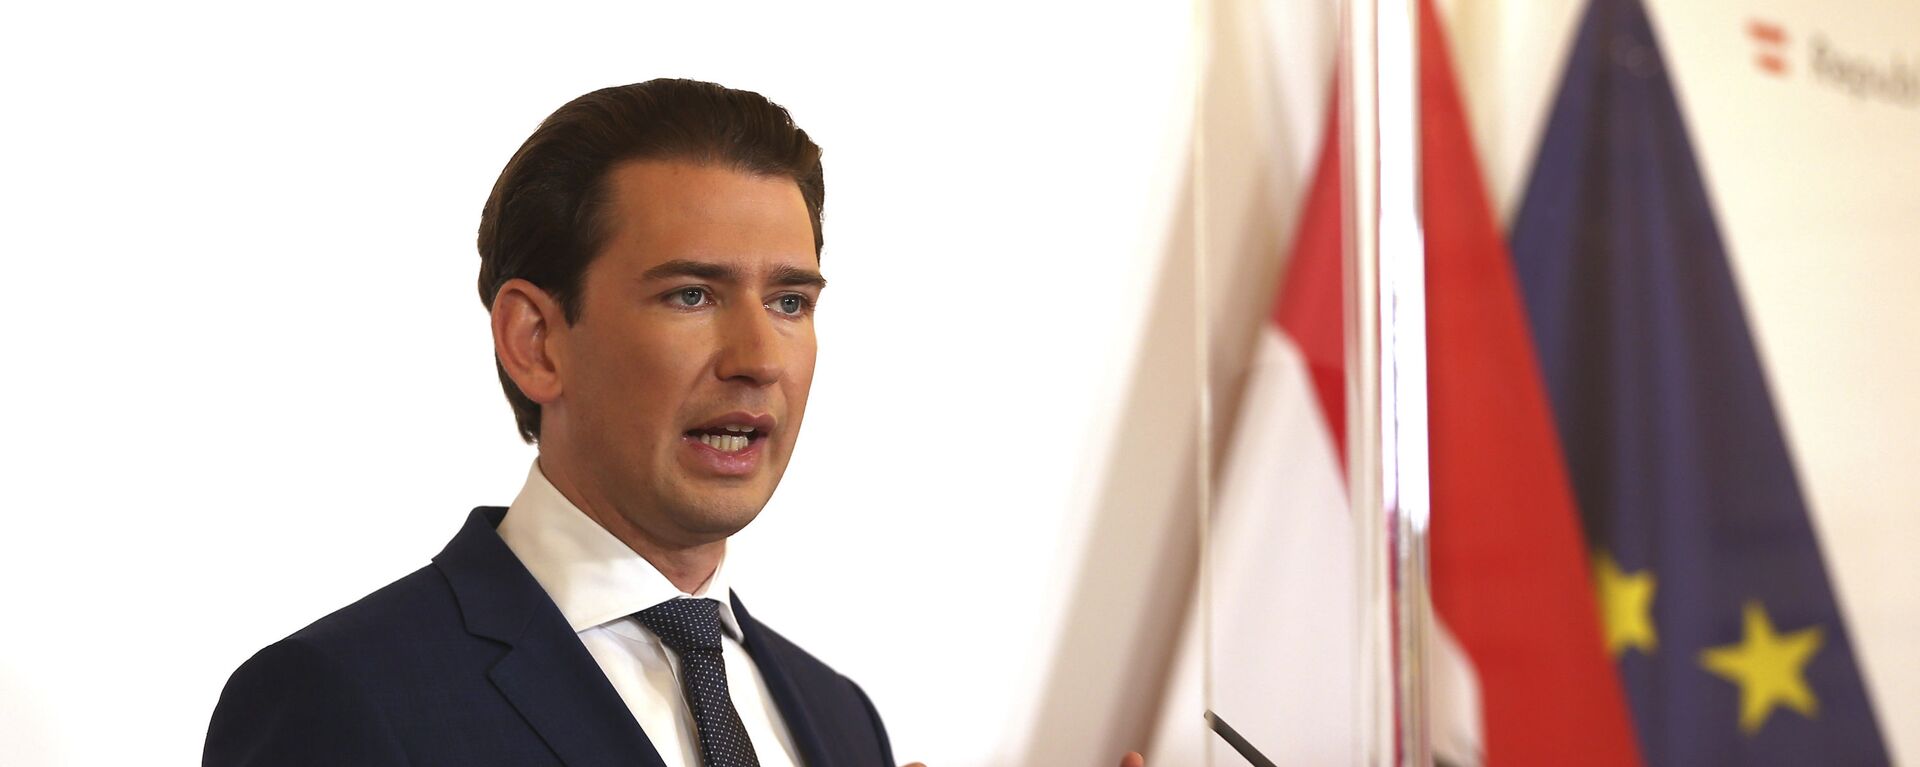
pixel 1283 615
pixel 1517 674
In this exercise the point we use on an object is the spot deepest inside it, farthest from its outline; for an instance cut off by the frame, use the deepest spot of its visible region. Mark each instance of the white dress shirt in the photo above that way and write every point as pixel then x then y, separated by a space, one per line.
pixel 599 584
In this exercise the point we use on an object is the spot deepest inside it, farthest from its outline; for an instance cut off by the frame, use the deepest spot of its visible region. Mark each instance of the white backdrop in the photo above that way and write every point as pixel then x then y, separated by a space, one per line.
pixel 251 376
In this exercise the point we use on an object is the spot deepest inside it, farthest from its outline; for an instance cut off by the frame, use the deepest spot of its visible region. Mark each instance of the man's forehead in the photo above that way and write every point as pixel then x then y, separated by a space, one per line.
pixel 674 188
pixel 755 226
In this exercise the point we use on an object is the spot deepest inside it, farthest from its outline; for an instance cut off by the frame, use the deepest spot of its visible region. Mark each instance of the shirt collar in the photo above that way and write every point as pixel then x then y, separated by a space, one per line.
pixel 588 573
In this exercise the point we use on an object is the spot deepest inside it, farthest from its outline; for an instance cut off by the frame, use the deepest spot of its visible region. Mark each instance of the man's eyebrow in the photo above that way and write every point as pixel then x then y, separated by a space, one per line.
pixel 786 276
pixel 795 276
pixel 699 269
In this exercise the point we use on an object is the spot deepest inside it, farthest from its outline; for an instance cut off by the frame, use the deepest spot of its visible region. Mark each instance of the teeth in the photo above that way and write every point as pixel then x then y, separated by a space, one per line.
pixel 724 443
pixel 739 429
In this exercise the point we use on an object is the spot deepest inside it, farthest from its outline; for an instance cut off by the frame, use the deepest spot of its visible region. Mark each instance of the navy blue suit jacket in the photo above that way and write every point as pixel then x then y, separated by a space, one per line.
pixel 468 662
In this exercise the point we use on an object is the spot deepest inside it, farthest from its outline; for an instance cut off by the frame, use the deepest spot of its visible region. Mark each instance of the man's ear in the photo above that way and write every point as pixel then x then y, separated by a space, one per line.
pixel 525 321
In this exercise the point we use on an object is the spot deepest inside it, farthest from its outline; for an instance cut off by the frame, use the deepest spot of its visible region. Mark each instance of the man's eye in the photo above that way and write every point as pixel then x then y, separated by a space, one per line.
pixel 690 297
pixel 791 305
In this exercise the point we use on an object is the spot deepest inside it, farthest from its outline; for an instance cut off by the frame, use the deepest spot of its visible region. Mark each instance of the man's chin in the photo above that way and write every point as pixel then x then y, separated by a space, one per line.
pixel 716 527
pixel 720 512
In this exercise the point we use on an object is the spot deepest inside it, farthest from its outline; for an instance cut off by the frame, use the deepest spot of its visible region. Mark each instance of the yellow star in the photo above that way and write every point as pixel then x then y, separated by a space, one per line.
pixel 1626 606
pixel 1768 667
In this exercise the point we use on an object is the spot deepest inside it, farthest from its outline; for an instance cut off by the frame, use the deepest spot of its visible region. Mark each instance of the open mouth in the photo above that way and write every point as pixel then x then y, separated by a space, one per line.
pixel 730 438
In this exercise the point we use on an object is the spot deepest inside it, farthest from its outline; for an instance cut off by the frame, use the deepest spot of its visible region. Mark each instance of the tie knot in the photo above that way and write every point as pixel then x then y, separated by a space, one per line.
pixel 684 624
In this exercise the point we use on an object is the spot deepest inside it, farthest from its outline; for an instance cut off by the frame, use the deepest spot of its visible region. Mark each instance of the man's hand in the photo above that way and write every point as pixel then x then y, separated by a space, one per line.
pixel 1132 759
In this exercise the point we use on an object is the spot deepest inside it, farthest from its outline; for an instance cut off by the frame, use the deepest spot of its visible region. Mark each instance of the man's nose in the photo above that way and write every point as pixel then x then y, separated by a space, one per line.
pixel 750 347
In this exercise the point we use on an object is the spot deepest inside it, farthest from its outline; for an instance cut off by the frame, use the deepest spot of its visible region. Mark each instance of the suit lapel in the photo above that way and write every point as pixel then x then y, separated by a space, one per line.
pixel 567 699
pixel 546 674
pixel 786 694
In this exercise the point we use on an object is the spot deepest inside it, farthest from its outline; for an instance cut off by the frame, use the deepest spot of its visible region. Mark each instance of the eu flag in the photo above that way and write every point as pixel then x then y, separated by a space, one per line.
pixel 1715 601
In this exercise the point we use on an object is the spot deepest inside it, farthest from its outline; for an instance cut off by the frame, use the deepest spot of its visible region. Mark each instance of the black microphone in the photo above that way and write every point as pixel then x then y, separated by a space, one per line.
pixel 1239 744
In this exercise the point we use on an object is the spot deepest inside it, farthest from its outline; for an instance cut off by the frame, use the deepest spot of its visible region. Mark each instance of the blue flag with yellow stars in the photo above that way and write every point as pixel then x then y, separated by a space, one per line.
pixel 1715 601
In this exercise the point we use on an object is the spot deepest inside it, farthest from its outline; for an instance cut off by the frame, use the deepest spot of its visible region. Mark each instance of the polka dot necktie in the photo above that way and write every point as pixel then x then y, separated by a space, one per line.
pixel 691 627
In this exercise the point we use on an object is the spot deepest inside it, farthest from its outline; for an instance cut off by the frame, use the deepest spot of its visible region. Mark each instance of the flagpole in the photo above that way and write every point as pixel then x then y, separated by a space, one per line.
pixel 1403 360
pixel 1359 263
pixel 1387 406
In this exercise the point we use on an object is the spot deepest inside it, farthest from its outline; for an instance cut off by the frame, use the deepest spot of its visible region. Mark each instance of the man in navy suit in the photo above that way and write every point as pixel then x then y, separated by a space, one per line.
pixel 650 259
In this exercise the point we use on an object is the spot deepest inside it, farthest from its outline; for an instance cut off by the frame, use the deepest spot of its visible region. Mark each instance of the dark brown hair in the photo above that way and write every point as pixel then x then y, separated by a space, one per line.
pixel 545 220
